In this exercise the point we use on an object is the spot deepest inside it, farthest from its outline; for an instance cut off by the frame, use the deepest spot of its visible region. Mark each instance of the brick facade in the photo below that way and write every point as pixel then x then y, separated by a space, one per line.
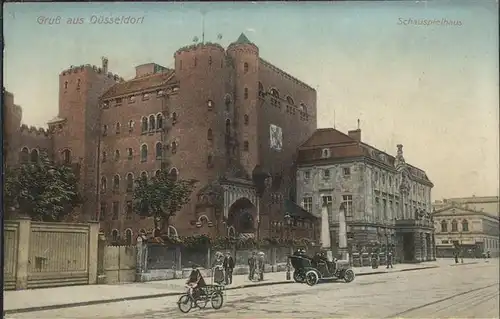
pixel 215 108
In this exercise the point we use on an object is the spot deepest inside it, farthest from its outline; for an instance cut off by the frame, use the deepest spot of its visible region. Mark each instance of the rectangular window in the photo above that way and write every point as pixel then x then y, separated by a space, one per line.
pixel 118 101
pixel 116 209
pixel 102 215
pixel 326 173
pixel 129 210
pixel 384 206
pixel 347 200
pixel 327 200
pixel 307 203
pixel 377 208
pixel 307 174
pixel 346 171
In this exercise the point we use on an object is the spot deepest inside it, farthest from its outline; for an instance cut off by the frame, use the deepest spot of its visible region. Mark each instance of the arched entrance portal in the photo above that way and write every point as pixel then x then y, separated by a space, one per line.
pixel 242 216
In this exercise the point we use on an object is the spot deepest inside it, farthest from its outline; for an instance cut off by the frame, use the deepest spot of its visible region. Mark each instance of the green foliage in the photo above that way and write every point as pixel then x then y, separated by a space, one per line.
pixel 161 196
pixel 43 190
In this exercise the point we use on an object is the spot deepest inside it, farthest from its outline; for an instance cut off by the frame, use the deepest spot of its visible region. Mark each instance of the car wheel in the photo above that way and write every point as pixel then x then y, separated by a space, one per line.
pixel 311 278
pixel 349 275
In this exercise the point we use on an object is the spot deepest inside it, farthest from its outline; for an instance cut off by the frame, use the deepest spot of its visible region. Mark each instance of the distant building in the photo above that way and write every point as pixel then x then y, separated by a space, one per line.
pixel 472 231
pixel 388 201
pixel 224 116
pixel 486 204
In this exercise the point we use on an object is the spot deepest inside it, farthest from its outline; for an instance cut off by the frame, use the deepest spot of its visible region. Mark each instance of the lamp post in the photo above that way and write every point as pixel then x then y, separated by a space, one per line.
pixel 461 249
pixel 288 223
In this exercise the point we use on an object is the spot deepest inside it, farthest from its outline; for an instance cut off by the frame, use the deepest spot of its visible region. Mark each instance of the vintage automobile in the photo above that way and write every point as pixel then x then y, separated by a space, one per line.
pixel 313 270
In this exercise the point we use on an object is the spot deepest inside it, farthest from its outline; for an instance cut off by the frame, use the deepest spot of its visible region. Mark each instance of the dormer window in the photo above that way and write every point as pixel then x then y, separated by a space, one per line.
pixel 145 96
pixel 105 105
pixel 160 93
pixel 131 99
pixel 325 153
pixel 118 101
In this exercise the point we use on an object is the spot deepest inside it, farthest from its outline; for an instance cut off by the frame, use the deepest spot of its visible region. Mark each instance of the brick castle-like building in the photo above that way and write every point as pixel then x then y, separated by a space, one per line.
pixel 225 117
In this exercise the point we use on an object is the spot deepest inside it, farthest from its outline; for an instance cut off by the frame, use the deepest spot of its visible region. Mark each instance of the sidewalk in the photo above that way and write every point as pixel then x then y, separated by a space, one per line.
pixel 75 296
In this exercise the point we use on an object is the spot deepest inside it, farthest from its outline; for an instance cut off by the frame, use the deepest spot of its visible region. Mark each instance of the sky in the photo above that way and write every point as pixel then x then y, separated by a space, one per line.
pixel 433 88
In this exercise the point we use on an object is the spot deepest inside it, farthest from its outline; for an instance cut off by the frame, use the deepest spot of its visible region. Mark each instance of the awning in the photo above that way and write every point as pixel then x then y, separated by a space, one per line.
pixel 296 211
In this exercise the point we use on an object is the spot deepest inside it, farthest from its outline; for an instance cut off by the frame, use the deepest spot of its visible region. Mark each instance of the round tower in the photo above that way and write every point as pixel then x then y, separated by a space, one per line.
pixel 245 61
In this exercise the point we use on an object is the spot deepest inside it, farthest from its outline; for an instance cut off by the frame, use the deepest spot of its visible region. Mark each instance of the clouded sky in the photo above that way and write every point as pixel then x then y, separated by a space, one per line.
pixel 433 88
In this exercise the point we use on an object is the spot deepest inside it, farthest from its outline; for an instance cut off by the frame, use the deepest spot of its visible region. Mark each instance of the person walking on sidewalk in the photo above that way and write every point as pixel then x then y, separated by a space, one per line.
pixel 228 268
pixel 389 259
pixel 252 262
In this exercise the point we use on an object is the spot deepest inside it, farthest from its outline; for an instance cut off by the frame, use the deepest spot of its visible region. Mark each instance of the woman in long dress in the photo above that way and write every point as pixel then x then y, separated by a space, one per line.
pixel 218 268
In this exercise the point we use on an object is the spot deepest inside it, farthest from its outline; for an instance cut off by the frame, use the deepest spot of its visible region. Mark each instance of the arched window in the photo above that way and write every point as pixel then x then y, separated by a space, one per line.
pixel 34 156
pixel 66 156
pixel 245 67
pixel 159 151
pixel 444 226
pixel 174 173
pixel 210 105
pixel 173 147
pixel 104 156
pixel 245 146
pixel 128 236
pixel 66 85
pixel 454 226
pixel 117 128
pixel 261 89
pixel 131 125
pixel 245 93
pixel 228 126
pixel 144 153
pixel 130 153
pixel 114 235
pixel 210 136
pixel 275 93
pixel 465 225
pixel 25 155
pixel 104 184
pixel 245 119
pixel 209 160
pixel 144 175
pixel 157 172
pixel 130 182
pixel 152 123
pixel 129 209
pixel 104 130
pixel 117 155
pixel 174 118
pixel 289 100
pixel 144 124
pixel 116 183
pixel 159 121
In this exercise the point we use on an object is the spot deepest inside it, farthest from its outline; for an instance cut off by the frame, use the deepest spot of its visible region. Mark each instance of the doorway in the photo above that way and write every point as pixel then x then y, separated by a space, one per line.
pixel 408 247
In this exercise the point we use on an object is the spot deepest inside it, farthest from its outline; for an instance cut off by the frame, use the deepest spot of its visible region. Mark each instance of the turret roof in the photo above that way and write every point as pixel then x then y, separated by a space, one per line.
pixel 242 39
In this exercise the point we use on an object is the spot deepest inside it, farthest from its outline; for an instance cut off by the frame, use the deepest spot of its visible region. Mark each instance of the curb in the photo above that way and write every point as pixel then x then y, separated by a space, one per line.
pixel 170 294
pixel 463 264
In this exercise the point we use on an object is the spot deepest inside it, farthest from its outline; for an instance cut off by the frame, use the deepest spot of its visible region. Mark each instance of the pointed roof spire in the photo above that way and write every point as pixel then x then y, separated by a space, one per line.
pixel 242 39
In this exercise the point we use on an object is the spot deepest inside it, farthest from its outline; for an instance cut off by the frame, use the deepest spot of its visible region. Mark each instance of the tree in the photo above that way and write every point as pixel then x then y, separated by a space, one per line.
pixel 161 197
pixel 42 190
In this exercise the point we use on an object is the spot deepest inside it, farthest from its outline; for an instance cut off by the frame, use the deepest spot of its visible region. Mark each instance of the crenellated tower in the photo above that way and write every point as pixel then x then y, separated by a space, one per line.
pixel 244 56
pixel 77 129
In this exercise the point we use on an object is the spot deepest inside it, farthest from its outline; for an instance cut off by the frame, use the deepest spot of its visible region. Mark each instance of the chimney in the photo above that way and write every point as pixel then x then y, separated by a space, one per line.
pixel 355 134
pixel 104 65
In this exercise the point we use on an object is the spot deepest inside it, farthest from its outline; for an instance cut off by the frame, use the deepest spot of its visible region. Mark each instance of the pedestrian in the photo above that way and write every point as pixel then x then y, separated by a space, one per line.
pixel 228 268
pixel 261 264
pixel 456 257
pixel 252 263
pixel 389 259
pixel 218 269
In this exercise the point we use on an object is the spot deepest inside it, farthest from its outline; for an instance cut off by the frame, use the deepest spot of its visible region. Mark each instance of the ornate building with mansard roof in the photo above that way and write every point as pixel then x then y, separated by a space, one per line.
pixel 388 201
pixel 224 116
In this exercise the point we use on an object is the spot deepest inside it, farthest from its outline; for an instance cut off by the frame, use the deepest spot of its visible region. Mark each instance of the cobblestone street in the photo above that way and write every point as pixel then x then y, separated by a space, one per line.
pixel 466 291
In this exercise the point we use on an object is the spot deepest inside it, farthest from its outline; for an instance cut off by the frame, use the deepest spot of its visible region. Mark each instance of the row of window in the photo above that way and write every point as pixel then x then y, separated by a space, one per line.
pixel 327 200
pixel 27 156
pixel 115 236
pixel 454 226
pixel 131 99
pixel 149 123
pixel 388 180
pixel 78 83
pixel 326 173
pixel 159 152
pixel 174 173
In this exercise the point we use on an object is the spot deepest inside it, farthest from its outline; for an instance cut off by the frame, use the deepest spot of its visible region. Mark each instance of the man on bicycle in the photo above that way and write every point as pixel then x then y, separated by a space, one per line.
pixel 195 283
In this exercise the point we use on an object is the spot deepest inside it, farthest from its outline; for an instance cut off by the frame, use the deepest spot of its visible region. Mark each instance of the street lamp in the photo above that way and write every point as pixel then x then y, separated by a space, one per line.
pixel 288 223
pixel 461 249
